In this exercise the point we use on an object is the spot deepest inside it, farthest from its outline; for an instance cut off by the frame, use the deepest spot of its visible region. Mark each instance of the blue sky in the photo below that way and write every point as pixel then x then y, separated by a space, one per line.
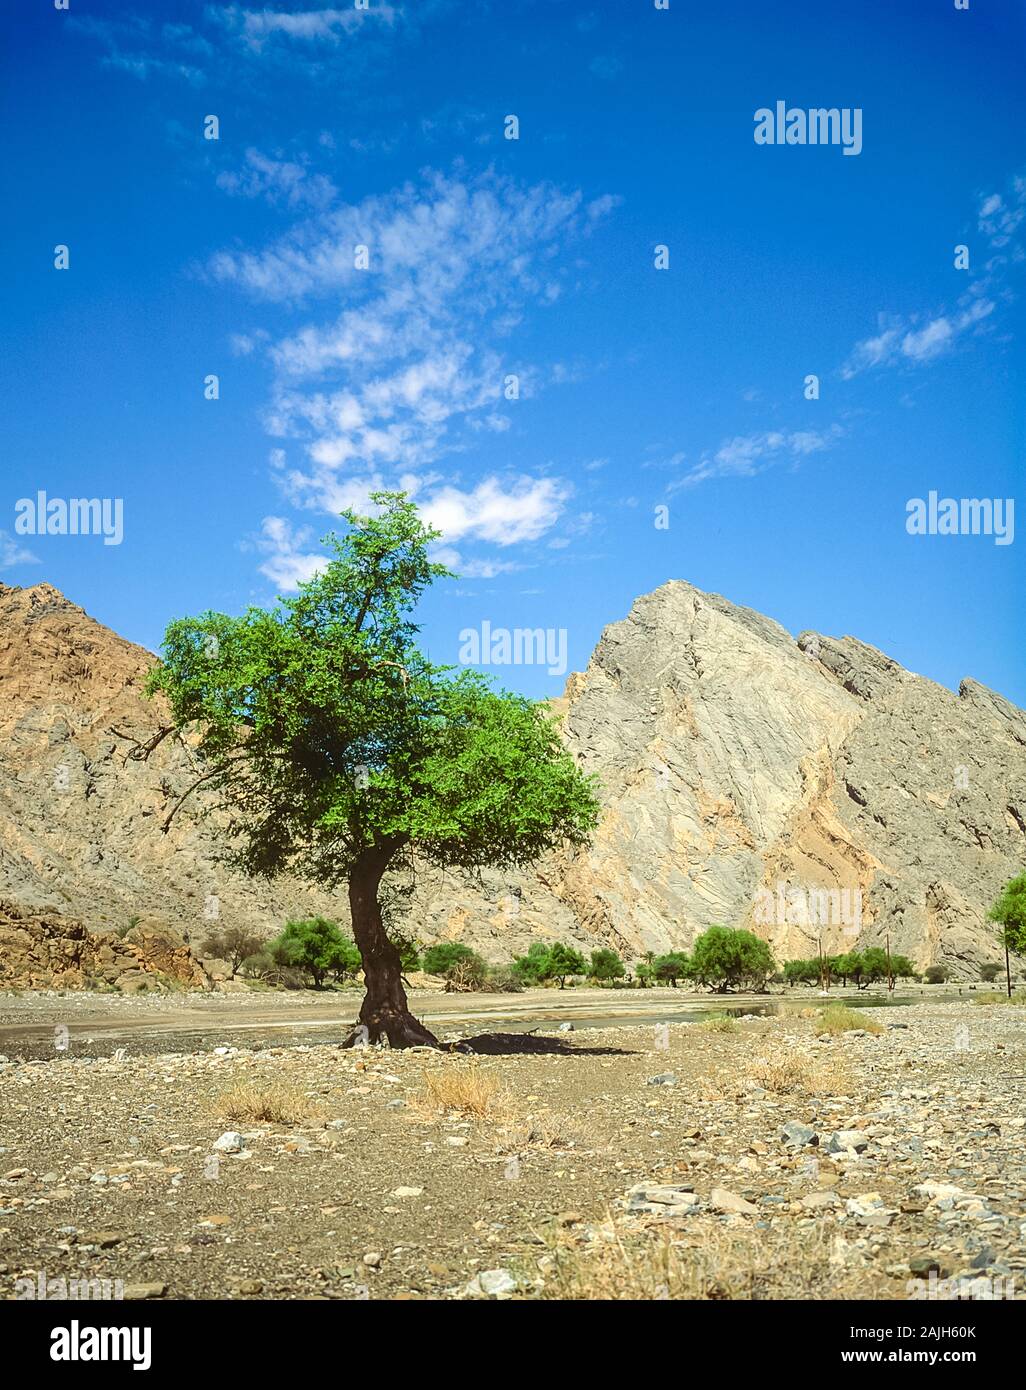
pixel 639 388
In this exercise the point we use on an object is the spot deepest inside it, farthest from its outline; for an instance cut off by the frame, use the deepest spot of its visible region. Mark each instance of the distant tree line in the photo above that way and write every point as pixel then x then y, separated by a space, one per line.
pixel 315 950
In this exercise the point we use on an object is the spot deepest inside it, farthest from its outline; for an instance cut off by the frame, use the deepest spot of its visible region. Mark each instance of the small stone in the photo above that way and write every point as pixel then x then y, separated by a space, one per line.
pixel 494 1282
pixel 924 1265
pixel 250 1286
pixel 106 1240
pixel 665 1078
pixel 729 1202
pixel 847 1140
pixel 372 1259
pixel 143 1291
pixel 231 1142
pixel 408 1192
pixel 797 1135
pixel 817 1201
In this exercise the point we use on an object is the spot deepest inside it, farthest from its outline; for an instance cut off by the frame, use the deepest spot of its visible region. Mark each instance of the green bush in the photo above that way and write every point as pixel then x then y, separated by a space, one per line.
pixel 316 947
pixel 727 959
pixel 936 974
pixel 990 970
pixel 606 965
pixel 440 959
pixel 674 966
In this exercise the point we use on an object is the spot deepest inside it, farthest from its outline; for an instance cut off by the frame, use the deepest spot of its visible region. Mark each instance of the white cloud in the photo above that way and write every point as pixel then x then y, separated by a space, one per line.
pixel 414 366
pixel 745 455
pixel 12 553
pixel 254 27
pixel 523 511
pixel 917 338
pixel 279 181
pixel 288 563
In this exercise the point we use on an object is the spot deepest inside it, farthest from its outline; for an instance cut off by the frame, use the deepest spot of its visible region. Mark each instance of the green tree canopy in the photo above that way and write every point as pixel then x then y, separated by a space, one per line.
pixel 674 966
pixel 606 965
pixel 340 751
pixel 731 959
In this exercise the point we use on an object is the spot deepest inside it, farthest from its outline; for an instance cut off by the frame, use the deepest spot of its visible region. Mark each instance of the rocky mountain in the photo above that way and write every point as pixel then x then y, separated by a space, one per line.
pixel 810 789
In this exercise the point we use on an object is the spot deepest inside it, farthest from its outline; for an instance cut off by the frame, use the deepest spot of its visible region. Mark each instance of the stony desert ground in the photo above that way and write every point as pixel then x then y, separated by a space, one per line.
pixel 755 1159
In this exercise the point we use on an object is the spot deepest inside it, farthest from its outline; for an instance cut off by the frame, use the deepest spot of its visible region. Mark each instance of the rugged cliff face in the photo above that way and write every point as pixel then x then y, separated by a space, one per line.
pixel 811 789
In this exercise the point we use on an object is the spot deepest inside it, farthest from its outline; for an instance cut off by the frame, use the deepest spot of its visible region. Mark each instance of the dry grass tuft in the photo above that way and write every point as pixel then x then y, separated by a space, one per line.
pixel 461 1089
pixel 723 1263
pixel 796 1074
pixel 838 1018
pixel 276 1103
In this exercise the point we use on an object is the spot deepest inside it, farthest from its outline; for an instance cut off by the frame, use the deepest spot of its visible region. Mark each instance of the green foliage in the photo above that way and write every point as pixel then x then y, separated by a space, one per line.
pixel 1009 911
pixel 533 968
pixel 565 961
pixel 327 732
pixel 990 971
pixel 440 959
pixel 606 965
pixel 674 966
pixel 317 947
pixel 731 959
pixel 936 974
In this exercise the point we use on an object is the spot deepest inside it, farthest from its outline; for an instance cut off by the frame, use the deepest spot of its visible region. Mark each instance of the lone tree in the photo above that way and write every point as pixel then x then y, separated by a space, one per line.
pixel 340 751
pixel 1010 913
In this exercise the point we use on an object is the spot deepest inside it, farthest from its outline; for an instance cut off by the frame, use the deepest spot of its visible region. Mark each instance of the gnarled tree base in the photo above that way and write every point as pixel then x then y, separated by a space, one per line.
pixel 396 1025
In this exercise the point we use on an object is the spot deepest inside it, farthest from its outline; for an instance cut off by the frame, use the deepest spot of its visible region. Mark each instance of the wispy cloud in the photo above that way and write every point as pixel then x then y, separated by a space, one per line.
pixel 11 553
pixel 280 181
pixel 745 455
pixel 416 365
pixel 919 338
pixel 332 26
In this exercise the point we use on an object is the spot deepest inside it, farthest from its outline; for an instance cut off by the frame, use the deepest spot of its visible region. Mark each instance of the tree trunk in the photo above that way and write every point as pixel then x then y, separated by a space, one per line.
pixel 384 1012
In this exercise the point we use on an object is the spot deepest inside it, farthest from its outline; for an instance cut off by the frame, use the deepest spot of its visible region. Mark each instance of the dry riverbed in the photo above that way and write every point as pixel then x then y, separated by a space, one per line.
pixel 679 1162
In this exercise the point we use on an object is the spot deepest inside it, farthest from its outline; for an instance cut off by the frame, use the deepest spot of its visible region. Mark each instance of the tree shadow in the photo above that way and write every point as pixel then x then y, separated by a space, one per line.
pixel 525 1044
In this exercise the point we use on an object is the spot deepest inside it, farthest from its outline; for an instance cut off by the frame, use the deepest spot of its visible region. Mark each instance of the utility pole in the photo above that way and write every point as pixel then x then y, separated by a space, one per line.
pixel 1008 966
pixel 890 977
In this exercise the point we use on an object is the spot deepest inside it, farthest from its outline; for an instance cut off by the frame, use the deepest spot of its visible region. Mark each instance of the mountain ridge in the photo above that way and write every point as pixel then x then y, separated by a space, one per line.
pixel 734 760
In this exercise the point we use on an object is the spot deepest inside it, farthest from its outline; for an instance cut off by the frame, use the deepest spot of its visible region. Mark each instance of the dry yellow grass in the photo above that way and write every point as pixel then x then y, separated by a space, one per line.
pixel 796 1074
pixel 838 1018
pixel 715 1263
pixel 273 1103
pixel 462 1089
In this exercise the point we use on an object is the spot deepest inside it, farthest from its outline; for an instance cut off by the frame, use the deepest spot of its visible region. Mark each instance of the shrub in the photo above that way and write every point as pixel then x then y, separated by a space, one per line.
pixel 317 947
pixel 838 1018
pixel 674 966
pixel 533 968
pixel 989 971
pixel 502 979
pixel 607 965
pixel 936 974
pixel 466 974
pixel 439 960
pixel 233 945
pixel 727 959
